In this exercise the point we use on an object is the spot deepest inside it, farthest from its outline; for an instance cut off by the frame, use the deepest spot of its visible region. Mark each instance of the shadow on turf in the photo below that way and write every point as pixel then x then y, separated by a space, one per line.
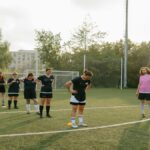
pixel 135 138
pixel 13 124
pixel 45 143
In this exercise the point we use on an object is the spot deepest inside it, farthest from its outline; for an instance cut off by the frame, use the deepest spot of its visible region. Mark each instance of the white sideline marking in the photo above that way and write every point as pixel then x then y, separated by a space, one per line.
pixel 75 130
pixel 88 108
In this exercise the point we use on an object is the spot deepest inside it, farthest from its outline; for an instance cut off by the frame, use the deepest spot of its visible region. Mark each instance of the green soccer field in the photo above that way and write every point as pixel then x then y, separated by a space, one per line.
pixel 104 107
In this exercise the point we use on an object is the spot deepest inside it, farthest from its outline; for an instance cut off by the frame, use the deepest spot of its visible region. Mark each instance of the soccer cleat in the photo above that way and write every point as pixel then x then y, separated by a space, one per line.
pixel 37 113
pixel 28 112
pixel 81 124
pixel 48 116
pixel 74 126
pixel 16 107
pixel 3 106
pixel 143 116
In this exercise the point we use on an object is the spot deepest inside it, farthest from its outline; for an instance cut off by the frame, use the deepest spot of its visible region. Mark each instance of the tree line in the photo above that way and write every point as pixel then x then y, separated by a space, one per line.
pixel 103 58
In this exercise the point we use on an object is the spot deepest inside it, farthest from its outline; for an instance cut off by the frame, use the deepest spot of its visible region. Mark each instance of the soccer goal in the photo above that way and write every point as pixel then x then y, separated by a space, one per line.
pixel 63 76
pixel 60 76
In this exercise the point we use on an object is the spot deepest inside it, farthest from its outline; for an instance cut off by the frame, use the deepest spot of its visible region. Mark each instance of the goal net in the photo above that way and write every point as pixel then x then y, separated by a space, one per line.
pixel 60 77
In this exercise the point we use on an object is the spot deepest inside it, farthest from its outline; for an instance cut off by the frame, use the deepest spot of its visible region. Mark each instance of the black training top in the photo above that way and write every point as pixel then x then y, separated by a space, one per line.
pixel 14 86
pixel 2 81
pixel 46 83
pixel 29 84
pixel 80 85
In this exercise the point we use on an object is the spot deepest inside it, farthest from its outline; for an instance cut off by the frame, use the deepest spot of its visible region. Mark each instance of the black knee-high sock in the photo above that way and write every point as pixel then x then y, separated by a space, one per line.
pixel 3 102
pixel 9 103
pixel 15 103
pixel 47 110
pixel 41 110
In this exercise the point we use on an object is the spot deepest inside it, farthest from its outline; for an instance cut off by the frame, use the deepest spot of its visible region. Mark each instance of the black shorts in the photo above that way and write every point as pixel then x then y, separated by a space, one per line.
pixel 29 94
pixel 13 95
pixel 2 89
pixel 144 96
pixel 74 101
pixel 46 95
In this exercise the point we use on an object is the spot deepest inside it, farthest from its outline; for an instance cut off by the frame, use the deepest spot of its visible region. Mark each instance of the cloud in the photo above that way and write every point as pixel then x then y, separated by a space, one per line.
pixel 16 27
pixel 93 4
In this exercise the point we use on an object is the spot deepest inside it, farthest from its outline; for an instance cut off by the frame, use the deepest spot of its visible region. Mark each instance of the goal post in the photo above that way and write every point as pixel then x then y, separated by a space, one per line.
pixel 60 76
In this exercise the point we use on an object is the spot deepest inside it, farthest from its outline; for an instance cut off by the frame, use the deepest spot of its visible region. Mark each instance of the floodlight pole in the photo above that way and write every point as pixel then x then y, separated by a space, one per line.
pixel 36 63
pixel 121 72
pixel 84 61
pixel 126 46
pixel 85 50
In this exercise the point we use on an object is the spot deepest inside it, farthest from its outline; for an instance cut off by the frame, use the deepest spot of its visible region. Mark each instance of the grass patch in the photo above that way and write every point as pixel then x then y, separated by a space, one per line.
pixel 130 137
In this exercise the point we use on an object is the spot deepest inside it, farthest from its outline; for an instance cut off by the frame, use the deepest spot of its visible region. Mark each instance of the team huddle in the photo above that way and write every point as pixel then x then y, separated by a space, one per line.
pixel 77 87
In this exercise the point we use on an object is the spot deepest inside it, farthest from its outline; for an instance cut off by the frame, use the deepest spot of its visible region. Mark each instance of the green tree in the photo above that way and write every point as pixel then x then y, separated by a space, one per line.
pixel 48 47
pixel 86 35
pixel 105 64
pixel 5 56
pixel 138 57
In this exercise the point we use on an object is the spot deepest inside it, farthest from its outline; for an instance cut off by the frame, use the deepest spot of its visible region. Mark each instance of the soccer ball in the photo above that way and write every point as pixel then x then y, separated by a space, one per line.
pixel 69 124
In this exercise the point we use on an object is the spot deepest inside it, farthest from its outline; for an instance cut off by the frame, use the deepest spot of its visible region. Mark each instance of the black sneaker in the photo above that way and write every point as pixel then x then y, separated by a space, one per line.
pixel 37 113
pixel 16 107
pixel 48 116
pixel 143 116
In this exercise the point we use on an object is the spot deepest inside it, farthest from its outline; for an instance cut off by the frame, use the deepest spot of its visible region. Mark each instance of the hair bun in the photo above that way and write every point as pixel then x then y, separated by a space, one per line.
pixel 88 73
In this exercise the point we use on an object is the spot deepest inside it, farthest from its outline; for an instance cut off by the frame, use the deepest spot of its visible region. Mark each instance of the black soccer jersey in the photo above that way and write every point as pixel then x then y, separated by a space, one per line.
pixel 29 84
pixel 80 85
pixel 2 86
pixel 29 89
pixel 2 81
pixel 13 87
pixel 46 83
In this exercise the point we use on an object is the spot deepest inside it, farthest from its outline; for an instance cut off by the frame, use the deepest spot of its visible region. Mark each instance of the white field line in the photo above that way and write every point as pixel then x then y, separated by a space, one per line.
pixel 87 108
pixel 74 130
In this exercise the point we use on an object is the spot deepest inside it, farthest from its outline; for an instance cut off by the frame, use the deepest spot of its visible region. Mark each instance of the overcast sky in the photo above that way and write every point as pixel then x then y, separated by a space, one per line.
pixel 19 19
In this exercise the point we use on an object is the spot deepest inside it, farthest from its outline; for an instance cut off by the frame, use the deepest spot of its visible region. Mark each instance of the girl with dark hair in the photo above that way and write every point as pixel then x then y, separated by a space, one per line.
pixel 2 88
pixel 77 87
pixel 13 90
pixel 46 91
pixel 30 92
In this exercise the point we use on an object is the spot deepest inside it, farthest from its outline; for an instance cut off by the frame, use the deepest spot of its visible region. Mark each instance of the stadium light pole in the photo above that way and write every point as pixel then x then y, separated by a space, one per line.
pixel 36 63
pixel 121 72
pixel 126 45
pixel 85 49
pixel 84 61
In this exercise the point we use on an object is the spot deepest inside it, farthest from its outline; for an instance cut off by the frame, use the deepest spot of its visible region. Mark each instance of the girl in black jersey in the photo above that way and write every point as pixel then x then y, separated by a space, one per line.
pixel 77 87
pixel 2 88
pixel 30 93
pixel 46 91
pixel 13 90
